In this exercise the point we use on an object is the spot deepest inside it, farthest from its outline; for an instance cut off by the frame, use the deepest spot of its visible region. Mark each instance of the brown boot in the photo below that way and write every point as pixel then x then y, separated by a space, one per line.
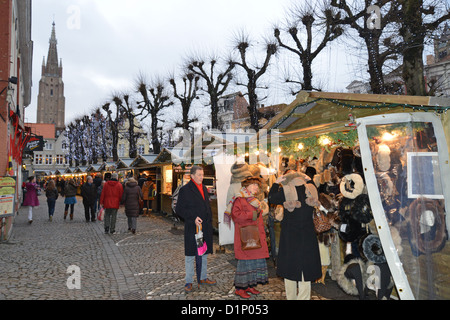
pixel 71 216
pixel 65 215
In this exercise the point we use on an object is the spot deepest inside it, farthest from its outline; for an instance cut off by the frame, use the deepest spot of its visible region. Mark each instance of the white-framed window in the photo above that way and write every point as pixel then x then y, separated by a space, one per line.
pixel 141 149
pixel 59 159
pixel 121 150
pixel 48 159
pixel 48 146
pixel 38 158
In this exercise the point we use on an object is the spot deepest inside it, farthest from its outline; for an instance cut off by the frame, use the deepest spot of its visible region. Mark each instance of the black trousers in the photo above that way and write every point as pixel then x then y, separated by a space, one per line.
pixel 89 211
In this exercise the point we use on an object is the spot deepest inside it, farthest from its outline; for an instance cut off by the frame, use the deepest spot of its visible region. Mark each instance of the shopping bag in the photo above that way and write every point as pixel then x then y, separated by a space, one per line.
pixel 101 213
pixel 201 244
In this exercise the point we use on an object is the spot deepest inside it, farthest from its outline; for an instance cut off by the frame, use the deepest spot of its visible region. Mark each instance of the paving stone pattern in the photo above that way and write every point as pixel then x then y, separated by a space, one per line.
pixel 149 265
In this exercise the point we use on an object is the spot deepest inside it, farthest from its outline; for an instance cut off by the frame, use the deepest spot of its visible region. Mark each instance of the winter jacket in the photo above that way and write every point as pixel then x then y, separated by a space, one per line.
pixel 89 193
pixel 70 190
pixel 51 194
pixel 242 214
pixel 147 190
pixel 191 205
pixel 130 198
pixel 31 198
pixel 111 194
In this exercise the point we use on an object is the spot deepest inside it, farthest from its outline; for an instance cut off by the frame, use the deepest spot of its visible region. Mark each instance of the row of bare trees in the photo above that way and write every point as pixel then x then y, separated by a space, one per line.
pixel 391 31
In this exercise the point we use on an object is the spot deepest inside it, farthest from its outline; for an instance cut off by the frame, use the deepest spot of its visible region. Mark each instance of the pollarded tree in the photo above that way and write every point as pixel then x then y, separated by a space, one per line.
pixel 155 99
pixel 216 81
pixel 306 19
pixel 253 73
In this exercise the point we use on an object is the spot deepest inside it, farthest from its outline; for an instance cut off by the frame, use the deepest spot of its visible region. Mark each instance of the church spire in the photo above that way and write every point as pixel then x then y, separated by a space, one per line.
pixel 52 67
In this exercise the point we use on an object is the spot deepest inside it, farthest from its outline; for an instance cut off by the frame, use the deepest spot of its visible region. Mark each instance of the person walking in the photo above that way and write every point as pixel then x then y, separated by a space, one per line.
pixel 98 183
pixel 31 198
pixel 298 254
pixel 251 256
pixel 130 198
pixel 194 207
pixel 148 192
pixel 89 194
pixel 110 200
pixel 70 194
pixel 51 192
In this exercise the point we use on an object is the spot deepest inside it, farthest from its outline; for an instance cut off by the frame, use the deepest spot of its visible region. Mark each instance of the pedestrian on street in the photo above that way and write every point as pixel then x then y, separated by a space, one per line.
pixel 130 199
pixel 194 207
pixel 110 200
pixel 89 194
pixel 98 183
pixel 31 198
pixel 251 261
pixel 51 192
pixel 298 254
pixel 148 191
pixel 70 193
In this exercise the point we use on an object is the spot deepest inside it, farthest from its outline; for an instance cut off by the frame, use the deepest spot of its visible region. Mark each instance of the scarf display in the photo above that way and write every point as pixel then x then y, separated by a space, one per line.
pixel 243 193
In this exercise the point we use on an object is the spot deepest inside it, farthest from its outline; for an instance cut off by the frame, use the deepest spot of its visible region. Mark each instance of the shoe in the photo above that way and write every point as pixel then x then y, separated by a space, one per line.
pixel 65 214
pixel 242 293
pixel 207 281
pixel 30 221
pixel 50 218
pixel 106 230
pixel 112 231
pixel 71 216
pixel 252 290
pixel 188 287
pixel 133 231
pixel 93 220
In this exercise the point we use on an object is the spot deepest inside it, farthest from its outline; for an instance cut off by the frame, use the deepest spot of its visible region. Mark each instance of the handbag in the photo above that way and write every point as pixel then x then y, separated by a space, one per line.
pixel 141 203
pixel 101 213
pixel 201 244
pixel 321 222
pixel 250 237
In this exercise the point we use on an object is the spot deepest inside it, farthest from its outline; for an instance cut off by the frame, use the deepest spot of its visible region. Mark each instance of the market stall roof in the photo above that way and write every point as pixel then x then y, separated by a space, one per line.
pixel 110 166
pixel 80 169
pixel 124 163
pixel 313 113
pixel 143 161
pixel 95 167
pixel 68 170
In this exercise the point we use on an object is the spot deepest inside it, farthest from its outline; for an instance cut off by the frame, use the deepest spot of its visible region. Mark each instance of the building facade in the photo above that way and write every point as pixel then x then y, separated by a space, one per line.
pixel 16 50
pixel 51 103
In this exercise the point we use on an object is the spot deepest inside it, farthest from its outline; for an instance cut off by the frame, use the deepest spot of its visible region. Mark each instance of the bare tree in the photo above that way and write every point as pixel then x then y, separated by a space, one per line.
pixel 190 81
pixel 253 75
pixel 114 125
pixel 379 48
pixel 216 82
pixel 418 20
pixel 308 17
pixel 158 100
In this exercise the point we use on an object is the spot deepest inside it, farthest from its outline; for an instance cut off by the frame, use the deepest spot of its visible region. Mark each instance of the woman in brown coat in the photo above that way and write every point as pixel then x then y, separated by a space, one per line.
pixel 130 199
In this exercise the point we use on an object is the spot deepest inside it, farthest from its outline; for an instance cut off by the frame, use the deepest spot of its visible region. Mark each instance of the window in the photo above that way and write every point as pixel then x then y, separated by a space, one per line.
pixel 48 146
pixel 59 159
pixel 38 159
pixel 141 149
pixel 121 150
pixel 48 159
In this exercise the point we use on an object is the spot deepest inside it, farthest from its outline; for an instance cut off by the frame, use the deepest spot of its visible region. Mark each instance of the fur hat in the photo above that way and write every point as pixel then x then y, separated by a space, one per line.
pixel 351 230
pixel 362 211
pixel 357 269
pixel 372 249
pixel 347 159
pixel 239 171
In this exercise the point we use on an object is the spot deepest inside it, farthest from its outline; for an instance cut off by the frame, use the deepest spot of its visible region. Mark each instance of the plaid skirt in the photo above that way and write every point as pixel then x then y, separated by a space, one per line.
pixel 250 273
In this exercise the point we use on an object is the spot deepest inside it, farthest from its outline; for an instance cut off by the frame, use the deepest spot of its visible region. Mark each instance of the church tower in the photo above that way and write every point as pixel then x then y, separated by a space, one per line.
pixel 51 103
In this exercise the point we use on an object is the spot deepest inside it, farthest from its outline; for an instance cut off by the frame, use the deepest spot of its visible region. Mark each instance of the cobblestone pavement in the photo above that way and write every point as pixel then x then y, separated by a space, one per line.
pixel 36 263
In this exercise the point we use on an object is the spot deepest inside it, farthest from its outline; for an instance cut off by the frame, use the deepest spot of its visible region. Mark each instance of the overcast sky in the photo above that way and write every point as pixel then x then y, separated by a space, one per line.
pixel 105 44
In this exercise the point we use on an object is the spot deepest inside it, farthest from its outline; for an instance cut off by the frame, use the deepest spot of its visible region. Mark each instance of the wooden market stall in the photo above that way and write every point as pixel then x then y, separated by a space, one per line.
pixel 316 124
pixel 143 165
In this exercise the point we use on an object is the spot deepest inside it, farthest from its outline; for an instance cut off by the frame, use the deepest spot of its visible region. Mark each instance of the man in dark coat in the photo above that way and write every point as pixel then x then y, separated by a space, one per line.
pixel 194 207
pixel 89 194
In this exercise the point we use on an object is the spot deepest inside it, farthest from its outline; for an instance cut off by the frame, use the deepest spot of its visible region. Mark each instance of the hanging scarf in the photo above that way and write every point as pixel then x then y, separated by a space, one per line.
pixel 293 180
pixel 243 193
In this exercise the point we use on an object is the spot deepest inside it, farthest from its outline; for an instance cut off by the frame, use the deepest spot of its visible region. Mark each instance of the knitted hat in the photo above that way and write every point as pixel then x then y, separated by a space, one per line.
pixel 239 171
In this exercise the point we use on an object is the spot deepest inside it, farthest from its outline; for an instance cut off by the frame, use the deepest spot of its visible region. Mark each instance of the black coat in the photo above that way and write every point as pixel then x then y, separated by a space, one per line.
pixel 190 205
pixel 89 193
pixel 299 248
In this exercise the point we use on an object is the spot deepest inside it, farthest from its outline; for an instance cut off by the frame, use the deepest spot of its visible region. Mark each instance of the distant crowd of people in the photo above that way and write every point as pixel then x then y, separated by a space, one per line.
pixel 98 195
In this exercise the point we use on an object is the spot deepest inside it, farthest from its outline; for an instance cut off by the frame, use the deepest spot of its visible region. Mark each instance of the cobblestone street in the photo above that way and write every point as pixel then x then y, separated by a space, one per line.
pixel 36 262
